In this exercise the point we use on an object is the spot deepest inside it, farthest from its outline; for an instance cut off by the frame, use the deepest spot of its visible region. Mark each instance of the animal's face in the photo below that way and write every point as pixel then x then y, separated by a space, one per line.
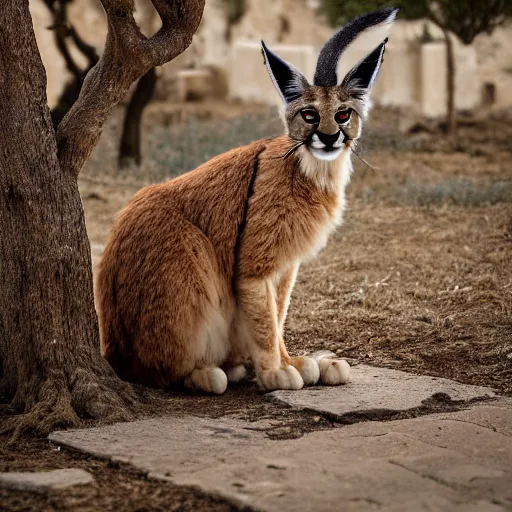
pixel 325 116
pixel 325 119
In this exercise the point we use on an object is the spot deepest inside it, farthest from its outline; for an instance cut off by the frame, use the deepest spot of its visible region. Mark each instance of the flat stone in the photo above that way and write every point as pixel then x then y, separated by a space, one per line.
pixel 375 393
pixel 495 416
pixel 42 481
pixel 447 462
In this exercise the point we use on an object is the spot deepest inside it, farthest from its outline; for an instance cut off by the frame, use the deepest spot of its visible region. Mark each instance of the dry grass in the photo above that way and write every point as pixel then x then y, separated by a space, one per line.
pixel 422 289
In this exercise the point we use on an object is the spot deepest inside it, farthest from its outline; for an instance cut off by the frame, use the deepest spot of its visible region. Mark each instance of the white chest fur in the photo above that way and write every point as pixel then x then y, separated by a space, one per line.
pixel 332 176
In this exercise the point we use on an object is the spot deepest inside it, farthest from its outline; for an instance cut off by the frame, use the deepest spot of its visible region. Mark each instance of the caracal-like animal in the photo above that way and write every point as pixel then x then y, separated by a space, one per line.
pixel 197 274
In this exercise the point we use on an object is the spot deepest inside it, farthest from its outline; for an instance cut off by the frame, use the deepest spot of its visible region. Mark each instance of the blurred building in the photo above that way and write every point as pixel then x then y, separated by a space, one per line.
pixel 225 59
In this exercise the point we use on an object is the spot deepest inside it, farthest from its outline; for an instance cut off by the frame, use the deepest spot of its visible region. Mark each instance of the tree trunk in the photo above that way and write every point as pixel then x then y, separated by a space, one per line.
pixel 451 114
pixel 129 148
pixel 50 363
pixel 49 342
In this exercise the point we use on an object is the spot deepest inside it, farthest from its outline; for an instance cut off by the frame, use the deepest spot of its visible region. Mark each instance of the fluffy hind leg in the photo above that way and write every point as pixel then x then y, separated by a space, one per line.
pixel 170 310
pixel 210 379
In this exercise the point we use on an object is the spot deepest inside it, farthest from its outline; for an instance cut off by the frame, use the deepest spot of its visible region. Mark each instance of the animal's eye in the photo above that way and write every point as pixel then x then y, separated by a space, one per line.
pixel 342 116
pixel 310 116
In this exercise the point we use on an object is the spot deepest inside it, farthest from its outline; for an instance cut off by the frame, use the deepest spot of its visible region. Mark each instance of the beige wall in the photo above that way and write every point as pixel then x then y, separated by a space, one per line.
pixel 249 80
pixel 412 77
pixel 399 81
pixel 494 56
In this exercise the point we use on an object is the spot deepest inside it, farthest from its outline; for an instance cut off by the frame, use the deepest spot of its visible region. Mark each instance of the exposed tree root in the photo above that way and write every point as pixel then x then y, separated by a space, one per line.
pixel 62 404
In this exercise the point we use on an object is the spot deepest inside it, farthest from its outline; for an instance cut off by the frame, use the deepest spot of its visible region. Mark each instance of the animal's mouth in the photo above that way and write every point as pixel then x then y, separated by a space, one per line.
pixel 327 147
pixel 326 153
pixel 321 147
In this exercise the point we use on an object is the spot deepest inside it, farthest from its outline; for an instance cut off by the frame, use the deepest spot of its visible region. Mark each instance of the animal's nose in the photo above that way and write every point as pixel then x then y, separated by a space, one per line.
pixel 327 138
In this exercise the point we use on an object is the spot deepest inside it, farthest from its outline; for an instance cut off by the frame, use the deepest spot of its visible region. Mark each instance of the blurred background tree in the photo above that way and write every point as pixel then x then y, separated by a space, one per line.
pixel 466 19
pixel 234 10
pixel 66 39
pixel 339 11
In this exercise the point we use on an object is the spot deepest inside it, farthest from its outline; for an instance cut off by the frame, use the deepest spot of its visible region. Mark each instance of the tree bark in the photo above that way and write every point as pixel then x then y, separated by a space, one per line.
pixel 129 148
pixel 50 364
pixel 49 343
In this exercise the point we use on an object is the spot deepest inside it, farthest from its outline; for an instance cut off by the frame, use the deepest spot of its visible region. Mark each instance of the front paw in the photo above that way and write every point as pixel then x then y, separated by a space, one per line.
pixel 308 369
pixel 334 371
pixel 282 378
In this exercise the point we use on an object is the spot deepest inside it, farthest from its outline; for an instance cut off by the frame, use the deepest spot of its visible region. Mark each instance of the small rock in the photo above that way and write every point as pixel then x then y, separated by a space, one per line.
pixel 42 481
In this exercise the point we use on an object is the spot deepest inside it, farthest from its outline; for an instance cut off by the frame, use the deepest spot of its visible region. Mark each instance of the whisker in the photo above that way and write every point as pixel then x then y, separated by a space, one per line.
pixel 292 150
pixel 364 161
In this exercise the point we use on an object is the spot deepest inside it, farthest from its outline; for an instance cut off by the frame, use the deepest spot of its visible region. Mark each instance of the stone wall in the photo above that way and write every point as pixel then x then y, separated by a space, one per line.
pixel 413 76
pixel 494 58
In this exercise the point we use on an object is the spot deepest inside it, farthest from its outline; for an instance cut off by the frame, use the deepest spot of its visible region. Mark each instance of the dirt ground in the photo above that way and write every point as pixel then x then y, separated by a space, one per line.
pixel 418 278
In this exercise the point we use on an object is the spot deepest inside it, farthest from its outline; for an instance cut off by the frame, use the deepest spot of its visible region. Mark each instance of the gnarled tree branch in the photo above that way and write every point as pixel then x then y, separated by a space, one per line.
pixel 62 31
pixel 128 55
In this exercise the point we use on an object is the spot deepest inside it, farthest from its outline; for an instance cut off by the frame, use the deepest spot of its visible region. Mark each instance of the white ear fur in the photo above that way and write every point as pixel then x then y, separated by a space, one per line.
pixel 362 76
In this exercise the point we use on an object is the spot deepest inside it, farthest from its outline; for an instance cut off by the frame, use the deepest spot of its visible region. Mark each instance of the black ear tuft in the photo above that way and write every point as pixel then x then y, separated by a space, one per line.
pixel 289 82
pixel 363 74
pixel 325 73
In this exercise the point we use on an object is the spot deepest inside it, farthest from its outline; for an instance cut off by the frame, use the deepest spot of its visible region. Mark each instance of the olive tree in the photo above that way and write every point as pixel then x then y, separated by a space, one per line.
pixel 51 370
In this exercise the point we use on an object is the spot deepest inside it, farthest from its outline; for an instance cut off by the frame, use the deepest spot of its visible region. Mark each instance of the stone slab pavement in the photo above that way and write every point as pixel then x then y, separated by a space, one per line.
pixel 447 461
pixel 378 392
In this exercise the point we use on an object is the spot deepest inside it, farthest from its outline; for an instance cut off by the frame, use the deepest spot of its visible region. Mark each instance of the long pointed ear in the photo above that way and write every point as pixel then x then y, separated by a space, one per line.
pixel 289 82
pixel 361 77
